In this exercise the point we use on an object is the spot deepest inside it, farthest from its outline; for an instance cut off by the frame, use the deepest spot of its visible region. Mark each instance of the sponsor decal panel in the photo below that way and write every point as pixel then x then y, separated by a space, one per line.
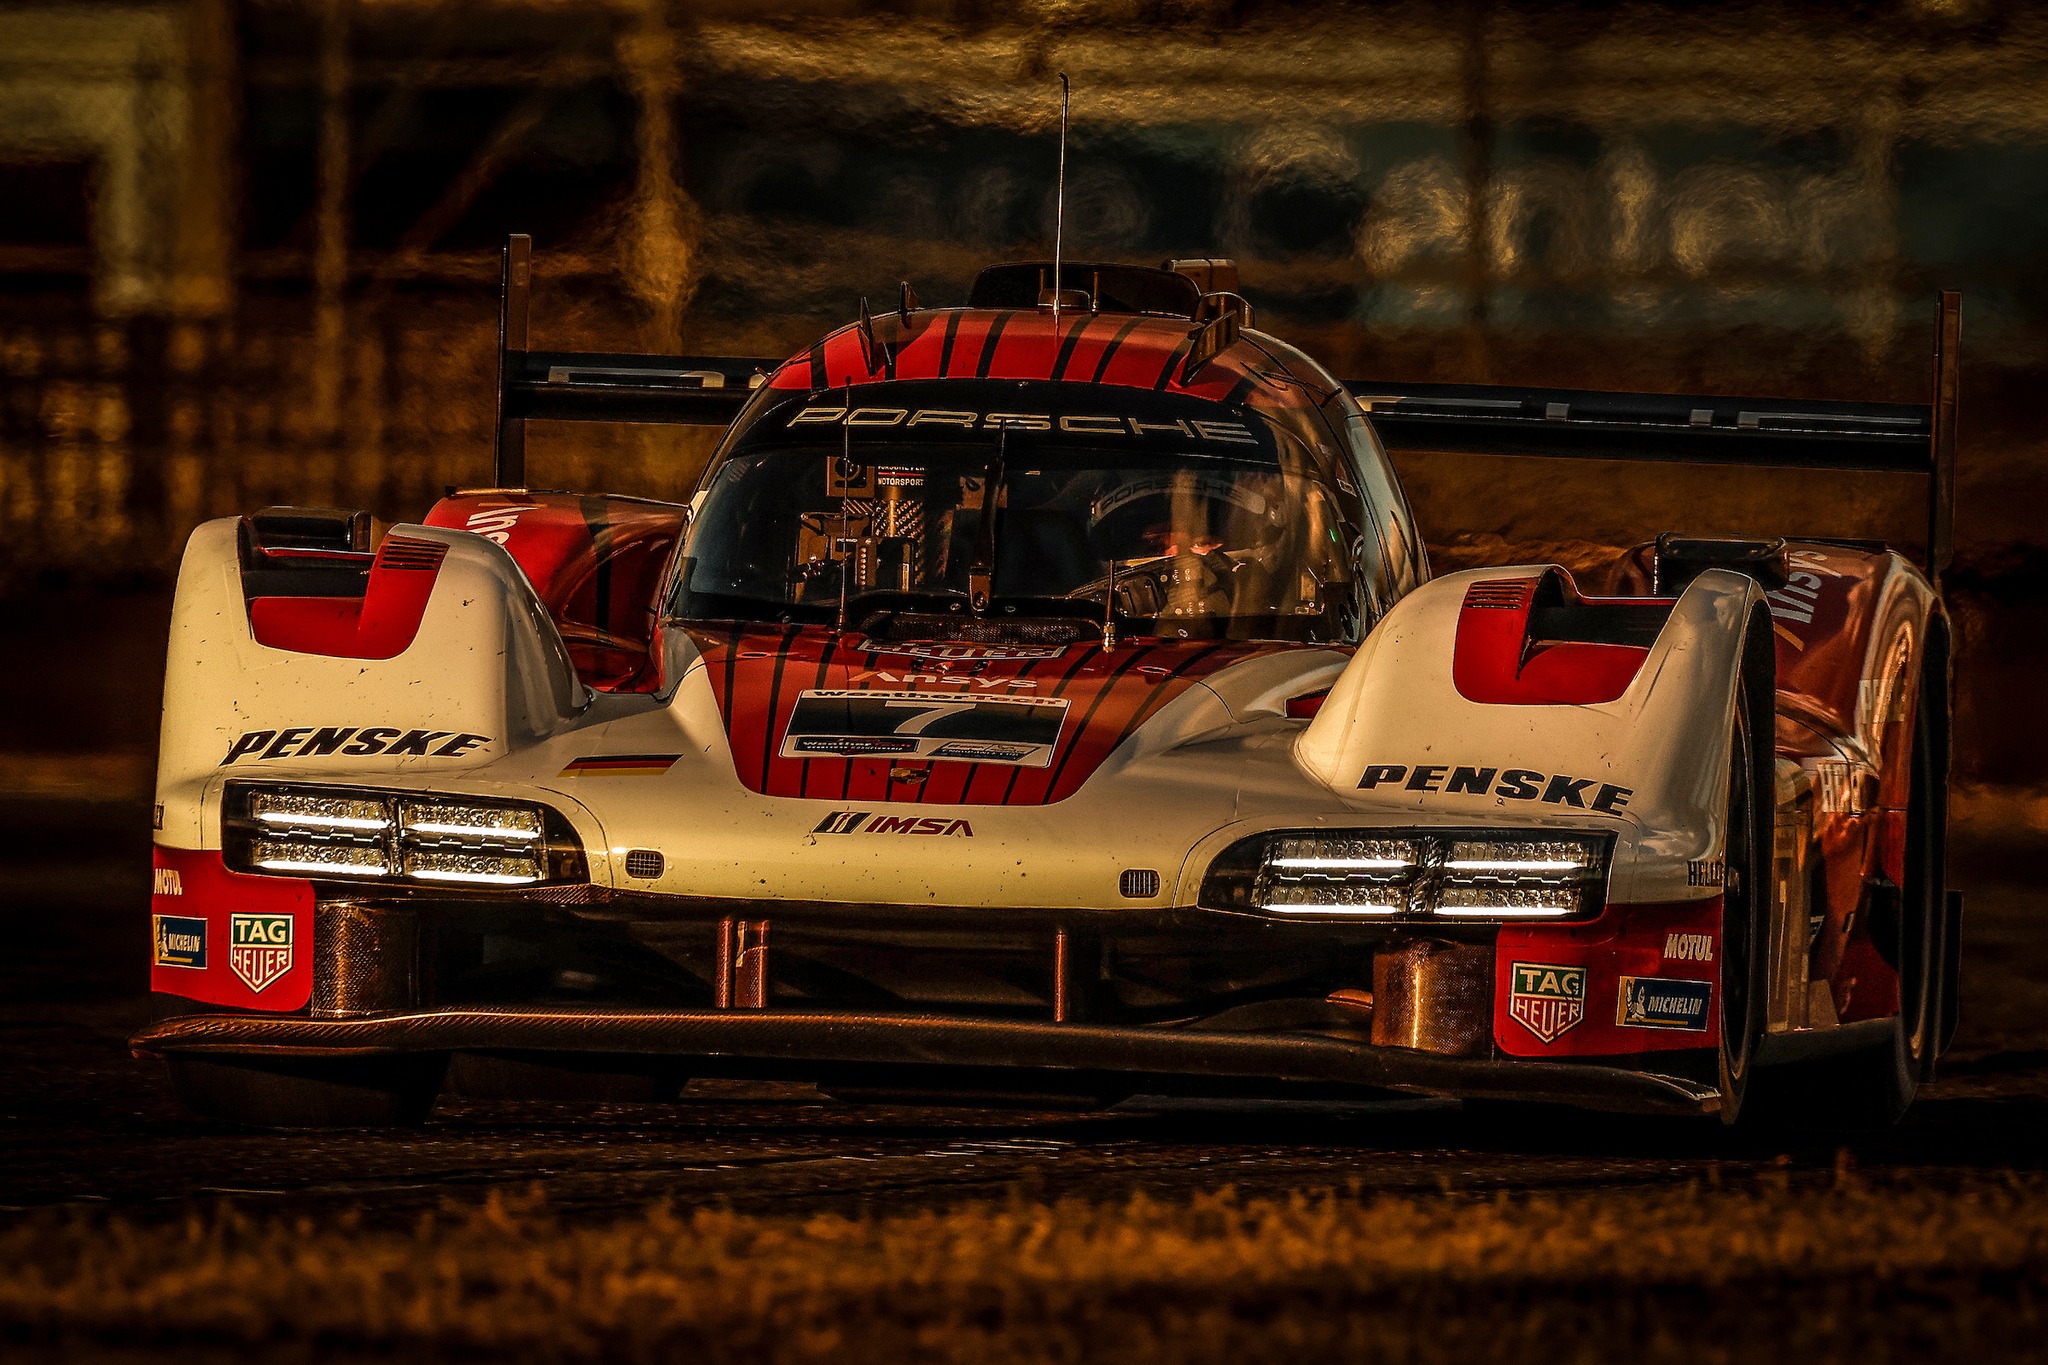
pixel 957 650
pixel 180 940
pixel 916 681
pixel 981 751
pixel 621 765
pixel 1688 947
pixel 843 723
pixel 1503 784
pixel 350 741
pixel 1706 872
pixel 867 822
pixel 846 746
pixel 1546 998
pixel 1660 1002
pixel 259 948
pixel 166 881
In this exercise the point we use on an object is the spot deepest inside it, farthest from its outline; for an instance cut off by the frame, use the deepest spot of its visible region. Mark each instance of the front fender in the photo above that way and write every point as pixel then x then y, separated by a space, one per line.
pixel 1403 734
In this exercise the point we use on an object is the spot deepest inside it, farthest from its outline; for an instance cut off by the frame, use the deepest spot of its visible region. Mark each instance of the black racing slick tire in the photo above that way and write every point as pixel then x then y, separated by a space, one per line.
pixel 1746 884
pixel 341 1092
pixel 1871 1087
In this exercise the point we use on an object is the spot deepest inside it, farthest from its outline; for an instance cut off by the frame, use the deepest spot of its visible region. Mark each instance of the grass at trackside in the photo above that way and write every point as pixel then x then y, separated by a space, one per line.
pixel 1773 1270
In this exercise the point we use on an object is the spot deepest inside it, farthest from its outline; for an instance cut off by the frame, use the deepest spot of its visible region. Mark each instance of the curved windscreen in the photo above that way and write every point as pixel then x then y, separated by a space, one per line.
pixel 1231 543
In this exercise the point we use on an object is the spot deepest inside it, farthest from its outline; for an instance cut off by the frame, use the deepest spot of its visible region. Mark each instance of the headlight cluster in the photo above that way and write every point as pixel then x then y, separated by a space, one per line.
pixel 351 834
pixel 1438 874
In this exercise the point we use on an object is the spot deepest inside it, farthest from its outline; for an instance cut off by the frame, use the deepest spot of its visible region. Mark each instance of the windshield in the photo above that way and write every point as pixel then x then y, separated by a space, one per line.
pixel 1199 544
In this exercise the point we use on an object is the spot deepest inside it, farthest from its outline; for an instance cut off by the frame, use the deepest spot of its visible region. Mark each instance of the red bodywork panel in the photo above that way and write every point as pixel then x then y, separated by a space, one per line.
pixel 381 624
pixel 1582 1015
pixel 1839 618
pixel 1123 349
pixel 201 951
pixel 757 673
pixel 1495 663
pixel 597 563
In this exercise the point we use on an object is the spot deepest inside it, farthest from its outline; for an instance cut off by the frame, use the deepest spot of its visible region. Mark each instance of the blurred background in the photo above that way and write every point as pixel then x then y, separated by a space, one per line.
pixel 249 255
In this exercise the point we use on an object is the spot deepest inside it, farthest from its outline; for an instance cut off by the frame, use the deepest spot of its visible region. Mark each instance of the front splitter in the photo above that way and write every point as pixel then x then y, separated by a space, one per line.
pixel 787 1036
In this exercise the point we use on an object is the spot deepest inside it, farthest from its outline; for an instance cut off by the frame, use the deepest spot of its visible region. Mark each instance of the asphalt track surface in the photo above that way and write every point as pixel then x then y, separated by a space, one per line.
pixel 84 1125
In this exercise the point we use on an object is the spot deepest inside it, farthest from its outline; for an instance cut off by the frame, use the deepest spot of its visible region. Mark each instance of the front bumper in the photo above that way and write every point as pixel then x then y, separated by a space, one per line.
pixel 813 1044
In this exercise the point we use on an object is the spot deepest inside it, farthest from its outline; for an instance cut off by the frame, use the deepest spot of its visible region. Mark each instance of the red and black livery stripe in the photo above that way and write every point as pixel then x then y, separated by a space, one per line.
pixel 1139 351
pixel 757 672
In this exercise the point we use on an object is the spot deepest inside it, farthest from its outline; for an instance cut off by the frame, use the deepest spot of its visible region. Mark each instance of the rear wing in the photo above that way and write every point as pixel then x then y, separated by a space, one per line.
pixel 586 386
pixel 1916 438
pixel 1463 418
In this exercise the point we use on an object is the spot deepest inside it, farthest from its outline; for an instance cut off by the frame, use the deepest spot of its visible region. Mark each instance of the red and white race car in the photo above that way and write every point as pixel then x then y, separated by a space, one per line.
pixel 1049 697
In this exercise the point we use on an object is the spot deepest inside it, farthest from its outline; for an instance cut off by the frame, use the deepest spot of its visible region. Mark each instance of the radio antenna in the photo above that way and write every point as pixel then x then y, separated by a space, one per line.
pixel 1059 203
pixel 1109 608
pixel 849 561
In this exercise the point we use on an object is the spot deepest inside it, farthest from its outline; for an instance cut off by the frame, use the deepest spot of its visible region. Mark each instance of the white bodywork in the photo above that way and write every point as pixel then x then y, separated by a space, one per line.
pixel 1219 762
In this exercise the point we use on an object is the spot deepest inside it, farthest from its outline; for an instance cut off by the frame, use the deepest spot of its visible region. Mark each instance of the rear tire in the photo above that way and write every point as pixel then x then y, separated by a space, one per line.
pixel 1872 1087
pixel 1745 892
pixel 299 1092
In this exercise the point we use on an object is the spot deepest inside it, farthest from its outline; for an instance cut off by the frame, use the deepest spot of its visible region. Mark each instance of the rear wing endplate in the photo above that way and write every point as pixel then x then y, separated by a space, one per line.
pixel 1918 438
pixel 583 386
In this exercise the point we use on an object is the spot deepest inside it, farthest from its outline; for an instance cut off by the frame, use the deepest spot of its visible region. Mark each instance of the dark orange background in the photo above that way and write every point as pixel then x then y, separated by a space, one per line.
pixel 248 250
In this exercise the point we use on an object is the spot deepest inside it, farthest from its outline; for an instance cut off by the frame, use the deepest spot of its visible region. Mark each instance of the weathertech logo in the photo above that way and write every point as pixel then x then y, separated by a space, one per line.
pixel 861 822
pixel 260 948
pixel 1546 999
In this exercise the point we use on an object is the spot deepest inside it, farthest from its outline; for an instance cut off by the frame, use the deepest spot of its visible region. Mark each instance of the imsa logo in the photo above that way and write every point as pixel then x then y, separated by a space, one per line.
pixel 1547 999
pixel 858 822
pixel 260 949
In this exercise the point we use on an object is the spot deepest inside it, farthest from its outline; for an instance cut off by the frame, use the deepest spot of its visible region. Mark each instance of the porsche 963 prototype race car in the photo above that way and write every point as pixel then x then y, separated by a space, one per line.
pixel 1049 699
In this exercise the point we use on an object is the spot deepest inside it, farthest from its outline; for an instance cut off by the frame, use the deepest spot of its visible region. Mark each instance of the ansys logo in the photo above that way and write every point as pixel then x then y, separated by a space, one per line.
pixel 1546 999
pixel 260 948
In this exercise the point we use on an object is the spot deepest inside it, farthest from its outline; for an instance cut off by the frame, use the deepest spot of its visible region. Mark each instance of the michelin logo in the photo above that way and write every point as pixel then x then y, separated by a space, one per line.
pixel 1659 1002
pixel 180 940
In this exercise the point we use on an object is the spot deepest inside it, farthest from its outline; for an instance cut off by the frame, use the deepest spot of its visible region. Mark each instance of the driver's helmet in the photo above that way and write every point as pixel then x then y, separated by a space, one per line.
pixel 1182 512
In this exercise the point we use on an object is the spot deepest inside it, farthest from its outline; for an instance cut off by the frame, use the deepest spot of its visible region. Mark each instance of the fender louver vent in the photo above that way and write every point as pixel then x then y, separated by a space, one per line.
pixel 1505 594
pixel 643 862
pixel 403 552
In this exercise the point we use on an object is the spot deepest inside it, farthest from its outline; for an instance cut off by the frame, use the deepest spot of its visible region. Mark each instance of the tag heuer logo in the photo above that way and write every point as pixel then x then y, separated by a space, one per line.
pixel 260 948
pixel 1546 999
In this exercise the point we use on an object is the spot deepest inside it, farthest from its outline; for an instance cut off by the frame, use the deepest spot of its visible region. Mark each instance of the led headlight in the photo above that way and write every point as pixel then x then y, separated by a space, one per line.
pixel 519 825
pixel 1434 874
pixel 319 859
pixel 1308 874
pixel 296 812
pixel 345 832
pixel 491 845
pixel 1518 878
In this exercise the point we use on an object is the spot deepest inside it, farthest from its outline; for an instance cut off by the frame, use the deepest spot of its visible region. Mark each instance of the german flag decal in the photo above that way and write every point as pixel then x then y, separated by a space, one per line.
pixel 621 765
